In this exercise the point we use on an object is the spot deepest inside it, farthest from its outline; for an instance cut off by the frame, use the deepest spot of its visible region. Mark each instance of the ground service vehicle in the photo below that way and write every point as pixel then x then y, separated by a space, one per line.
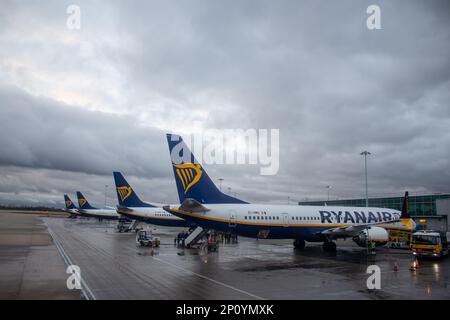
pixel 145 238
pixel 429 244
pixel 399 239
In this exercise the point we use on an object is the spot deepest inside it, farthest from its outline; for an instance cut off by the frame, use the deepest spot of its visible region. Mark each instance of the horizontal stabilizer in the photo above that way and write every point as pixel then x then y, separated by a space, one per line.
pixel 123 209
pixel 191 205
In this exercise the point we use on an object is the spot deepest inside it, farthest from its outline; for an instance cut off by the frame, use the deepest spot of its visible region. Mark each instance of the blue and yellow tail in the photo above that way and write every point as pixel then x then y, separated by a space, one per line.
pixel 82 202
pixel 192 180
pixel 405 216
pixel 405 207
pixel 125 194
pixel 68 202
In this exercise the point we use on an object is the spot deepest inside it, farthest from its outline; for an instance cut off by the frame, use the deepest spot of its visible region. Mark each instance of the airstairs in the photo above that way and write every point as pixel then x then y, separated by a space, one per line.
pixel 195 236
pixel 126 225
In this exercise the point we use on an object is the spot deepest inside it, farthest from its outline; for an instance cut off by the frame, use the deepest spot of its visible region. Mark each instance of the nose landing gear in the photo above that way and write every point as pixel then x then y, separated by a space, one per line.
pixel 329 246
pixel 299 244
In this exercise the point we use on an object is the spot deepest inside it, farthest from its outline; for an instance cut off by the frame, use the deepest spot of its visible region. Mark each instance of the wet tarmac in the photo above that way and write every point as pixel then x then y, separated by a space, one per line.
pixel 113 267
pixel 30 264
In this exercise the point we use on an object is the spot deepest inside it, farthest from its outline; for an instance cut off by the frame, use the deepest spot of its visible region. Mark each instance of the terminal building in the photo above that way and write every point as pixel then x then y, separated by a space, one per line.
pixel 429 211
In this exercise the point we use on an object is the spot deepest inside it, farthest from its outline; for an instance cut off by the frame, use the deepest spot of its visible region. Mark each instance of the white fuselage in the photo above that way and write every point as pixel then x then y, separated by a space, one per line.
pixel 99 213
pixel 288 221
pixel 153 215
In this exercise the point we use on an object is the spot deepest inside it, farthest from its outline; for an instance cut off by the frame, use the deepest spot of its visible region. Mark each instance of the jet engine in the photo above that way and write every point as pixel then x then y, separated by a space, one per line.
pixel 378 235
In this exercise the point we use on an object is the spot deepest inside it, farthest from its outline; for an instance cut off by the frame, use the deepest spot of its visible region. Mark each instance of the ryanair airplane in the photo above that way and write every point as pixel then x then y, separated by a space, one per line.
pixel 70 207
pixel 86 210
pixel 204 204
pixel 132 207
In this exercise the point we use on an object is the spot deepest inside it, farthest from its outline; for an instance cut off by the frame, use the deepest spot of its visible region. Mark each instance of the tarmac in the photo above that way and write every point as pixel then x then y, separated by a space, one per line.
pixel 30 264
pixel 113 267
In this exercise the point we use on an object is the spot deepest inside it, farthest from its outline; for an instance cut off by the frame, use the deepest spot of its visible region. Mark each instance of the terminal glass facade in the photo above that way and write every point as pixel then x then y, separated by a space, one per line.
pixel 423 205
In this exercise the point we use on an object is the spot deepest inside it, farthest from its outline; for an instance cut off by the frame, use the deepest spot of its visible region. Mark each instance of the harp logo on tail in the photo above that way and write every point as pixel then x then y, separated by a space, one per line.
pixel 189 174
pixel 124 192
pixel 68 203
pixel 82 202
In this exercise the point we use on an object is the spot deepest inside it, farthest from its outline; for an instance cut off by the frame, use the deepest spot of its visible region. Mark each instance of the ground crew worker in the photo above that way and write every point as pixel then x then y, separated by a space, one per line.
pixel 372 247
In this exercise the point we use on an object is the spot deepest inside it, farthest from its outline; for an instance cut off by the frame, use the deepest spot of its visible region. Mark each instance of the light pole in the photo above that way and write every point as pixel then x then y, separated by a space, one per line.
pixel 365 154
pixel 328 187
pixel 106 187
pixel 220 183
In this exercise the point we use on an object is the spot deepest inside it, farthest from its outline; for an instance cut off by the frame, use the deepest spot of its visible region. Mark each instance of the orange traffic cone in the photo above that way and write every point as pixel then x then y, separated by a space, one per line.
pixel 417 263
pixel 395 266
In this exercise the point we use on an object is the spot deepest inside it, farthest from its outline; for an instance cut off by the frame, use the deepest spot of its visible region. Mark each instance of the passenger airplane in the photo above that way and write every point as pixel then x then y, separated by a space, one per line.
pixel 132 207
pixel 70 207
pixel 85 209
pixel 203 203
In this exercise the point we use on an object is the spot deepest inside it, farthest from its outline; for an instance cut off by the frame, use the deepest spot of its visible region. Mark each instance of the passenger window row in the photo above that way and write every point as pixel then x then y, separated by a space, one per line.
pixel 305 218
pixel 277 218
pixel 261 218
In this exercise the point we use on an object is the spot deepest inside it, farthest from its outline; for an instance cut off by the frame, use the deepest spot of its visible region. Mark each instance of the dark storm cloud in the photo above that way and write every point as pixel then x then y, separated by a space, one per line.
pixel 21 185
pixel 310 68
pixel 37 132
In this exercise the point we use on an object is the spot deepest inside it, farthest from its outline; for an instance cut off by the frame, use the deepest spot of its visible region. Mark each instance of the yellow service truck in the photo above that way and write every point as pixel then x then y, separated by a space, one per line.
pixel 429 244
pixel 399 239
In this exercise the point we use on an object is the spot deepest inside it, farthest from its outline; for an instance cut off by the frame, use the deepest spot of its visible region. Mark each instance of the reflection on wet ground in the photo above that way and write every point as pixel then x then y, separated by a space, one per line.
pixel 115 268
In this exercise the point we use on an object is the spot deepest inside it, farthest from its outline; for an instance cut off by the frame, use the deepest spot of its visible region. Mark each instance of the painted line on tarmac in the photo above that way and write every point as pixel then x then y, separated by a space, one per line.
pixel 87 292
pixel 209 279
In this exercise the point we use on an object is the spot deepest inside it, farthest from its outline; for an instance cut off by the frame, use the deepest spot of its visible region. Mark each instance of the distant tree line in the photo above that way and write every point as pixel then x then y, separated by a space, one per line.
pixel 31 208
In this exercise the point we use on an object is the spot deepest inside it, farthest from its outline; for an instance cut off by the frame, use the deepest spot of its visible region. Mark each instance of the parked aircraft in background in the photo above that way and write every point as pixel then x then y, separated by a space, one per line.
pixel 70 207
pixel 134 208
pixel 85 209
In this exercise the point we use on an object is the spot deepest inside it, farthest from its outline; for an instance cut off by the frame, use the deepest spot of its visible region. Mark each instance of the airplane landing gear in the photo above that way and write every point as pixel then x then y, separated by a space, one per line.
pixel 329 246
pixel 299 244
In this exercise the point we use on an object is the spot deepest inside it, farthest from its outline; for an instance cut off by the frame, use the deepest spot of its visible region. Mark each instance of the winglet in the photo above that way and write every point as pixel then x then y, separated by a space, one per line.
pixel 405 208
pixel 192 205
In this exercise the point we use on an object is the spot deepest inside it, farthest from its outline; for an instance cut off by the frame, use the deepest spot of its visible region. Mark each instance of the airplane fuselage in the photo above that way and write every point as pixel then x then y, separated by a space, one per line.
pixel 106 214
pixel 287 221
pixel 154 215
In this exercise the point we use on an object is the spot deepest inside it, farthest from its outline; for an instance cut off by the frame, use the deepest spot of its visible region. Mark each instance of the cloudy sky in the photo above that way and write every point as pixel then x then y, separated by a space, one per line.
pixel 77 104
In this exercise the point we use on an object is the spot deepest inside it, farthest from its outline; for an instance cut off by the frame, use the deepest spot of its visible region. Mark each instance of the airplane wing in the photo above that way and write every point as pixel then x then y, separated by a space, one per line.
pixel 350 231
pixel 191 205
pixel 354 230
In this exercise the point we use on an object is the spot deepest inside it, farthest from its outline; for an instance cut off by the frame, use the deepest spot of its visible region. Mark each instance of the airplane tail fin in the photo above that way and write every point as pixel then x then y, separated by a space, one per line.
pixel 405 216
pixel 82 202
pixel 191 179
pixel 68 202
pixel 125 194
pixel 405 208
